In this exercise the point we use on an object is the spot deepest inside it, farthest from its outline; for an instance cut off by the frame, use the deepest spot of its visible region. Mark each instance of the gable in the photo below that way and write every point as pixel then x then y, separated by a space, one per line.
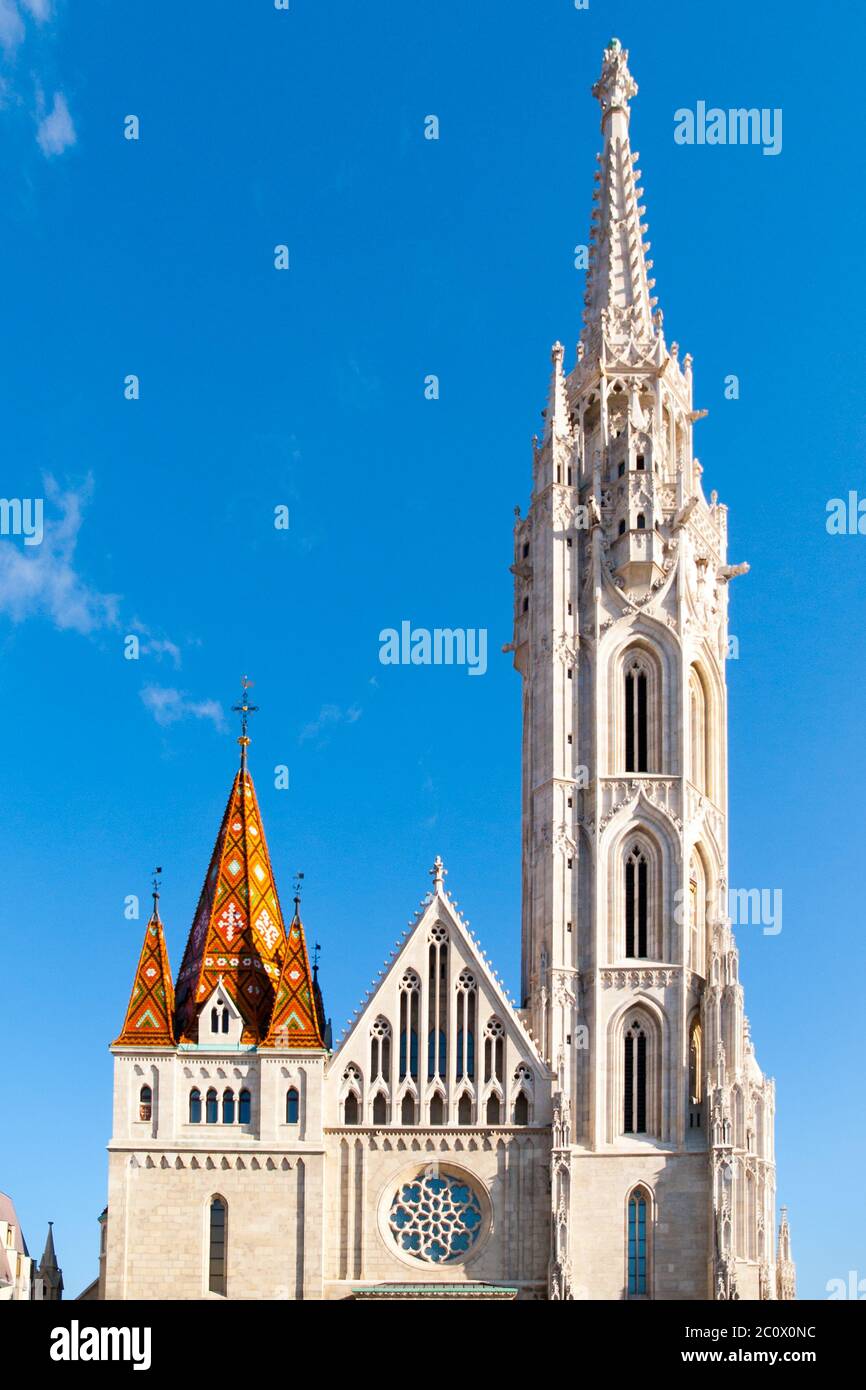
pixel 439 1029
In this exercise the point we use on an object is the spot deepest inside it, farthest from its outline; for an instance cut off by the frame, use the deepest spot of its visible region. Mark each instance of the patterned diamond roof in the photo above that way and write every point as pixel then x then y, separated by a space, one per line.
pixel 150 1016
pixel 238 935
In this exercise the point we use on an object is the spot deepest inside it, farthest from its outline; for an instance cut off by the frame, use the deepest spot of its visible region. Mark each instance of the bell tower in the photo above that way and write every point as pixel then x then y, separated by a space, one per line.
pixel 662 1172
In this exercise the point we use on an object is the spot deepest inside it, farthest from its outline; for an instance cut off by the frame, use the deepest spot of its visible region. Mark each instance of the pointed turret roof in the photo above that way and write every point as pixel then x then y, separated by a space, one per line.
pixel 238 935
pixel 618 287
pixel 149 1018
pixel 297 1018
pixel 48 1269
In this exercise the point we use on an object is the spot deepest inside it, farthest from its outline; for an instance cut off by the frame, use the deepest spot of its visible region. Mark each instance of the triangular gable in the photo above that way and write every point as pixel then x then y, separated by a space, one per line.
pixel 437 906
pixel 149 1018
pixel 237 931
pixel 212 1027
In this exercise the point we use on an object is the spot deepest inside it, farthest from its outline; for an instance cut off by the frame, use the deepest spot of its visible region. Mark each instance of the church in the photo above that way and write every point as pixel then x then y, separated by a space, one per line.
pixel 613 1136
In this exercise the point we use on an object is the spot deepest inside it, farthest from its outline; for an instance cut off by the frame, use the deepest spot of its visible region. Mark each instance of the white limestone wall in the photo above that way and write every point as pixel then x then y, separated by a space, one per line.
pixel 509 1169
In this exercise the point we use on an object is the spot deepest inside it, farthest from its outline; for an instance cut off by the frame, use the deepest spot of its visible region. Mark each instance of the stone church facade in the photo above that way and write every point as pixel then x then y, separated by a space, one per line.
pixel 612 1137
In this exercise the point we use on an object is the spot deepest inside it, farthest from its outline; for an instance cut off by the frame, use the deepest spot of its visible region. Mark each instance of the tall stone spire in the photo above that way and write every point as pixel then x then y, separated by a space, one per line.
pixel 620 637
pixel 49 1271
pixel 617 298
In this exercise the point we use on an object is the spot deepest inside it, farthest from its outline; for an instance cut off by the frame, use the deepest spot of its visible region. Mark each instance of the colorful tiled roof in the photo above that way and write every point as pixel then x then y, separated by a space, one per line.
pixel 150 1016
pixel 297 1017
pixel 238 935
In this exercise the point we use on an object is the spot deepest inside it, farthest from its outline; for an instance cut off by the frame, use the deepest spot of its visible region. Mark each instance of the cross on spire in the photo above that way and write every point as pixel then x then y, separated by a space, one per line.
pixel 244 709
pixel 155 891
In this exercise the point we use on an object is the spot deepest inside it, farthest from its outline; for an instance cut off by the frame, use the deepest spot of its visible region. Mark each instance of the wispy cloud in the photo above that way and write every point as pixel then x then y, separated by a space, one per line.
pixel 329 716
pixel 42 581
pixel 55 128
pixel 40 9
pixel 12 27
pixel 158 647
pixel 55 131
pixel 169 706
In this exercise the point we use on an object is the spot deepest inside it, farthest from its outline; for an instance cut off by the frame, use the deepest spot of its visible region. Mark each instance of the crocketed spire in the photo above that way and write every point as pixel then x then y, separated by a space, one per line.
pixel 618 289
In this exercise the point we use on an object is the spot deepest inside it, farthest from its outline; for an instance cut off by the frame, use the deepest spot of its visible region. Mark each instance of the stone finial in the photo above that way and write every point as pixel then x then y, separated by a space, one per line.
pixel 437 873
pixel 616 86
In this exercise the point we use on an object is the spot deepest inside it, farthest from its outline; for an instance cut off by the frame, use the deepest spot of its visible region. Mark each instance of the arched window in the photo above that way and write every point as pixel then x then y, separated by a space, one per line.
pixel 636 714
pixel 437 1110
pixel 494 1110
pixel 695 1075
pixel 216 1282
pixel 636 903
pixel 635 1079
pixel 641 521
pixel 700 750
pixel 228 1107
pixel 219 1017
pixel 225 1020
pixel 214 1020
pixel 195 1106
pixel 697 913
pixel 350 1109
pixel 464 1109
pixel 410 989
pixel 437 1002
pixel 638 1244
pixel 494 1051
pixel 380 1051
pixel 407 1109
pixel 751 1218
pixel 622 528
pixel 521 1109
pixel 211 1107
pixel 293 1106
pixel 466 1010
pixel 145 1103
pixel 380 1109
pixel 244 1108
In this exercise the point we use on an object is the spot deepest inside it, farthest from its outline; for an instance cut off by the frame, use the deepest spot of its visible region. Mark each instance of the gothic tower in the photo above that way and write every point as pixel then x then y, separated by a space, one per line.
pixel 662 1168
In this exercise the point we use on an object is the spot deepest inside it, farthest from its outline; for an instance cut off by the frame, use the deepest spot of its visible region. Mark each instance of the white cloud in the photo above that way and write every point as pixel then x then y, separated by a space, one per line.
pixel 42 581
pixel 155 646
pixel 169 706
pixel 40 9
pixel 55 132
pixel 329 715
pixel 11 25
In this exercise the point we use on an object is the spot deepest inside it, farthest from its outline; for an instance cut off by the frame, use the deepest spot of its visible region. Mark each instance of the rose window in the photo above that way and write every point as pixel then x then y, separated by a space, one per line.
pixel 436 1218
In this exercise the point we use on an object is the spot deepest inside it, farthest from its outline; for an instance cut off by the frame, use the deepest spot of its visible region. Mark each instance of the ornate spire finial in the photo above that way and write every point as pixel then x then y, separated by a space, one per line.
pixel 616 86
pixel 437 873
pixel 299 878
pixel 155 891
pixel 556 416
pixel 244 709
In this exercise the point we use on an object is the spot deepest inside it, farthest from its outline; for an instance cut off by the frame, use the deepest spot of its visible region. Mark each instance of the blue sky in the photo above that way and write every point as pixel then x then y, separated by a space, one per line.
pixel 305 388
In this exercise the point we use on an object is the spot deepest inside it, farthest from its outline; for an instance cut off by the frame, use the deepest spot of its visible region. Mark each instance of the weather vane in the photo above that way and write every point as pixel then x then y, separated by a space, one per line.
pixel 299 878
pixel 156 885
pixel 244 709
